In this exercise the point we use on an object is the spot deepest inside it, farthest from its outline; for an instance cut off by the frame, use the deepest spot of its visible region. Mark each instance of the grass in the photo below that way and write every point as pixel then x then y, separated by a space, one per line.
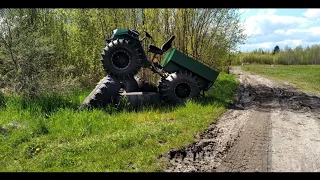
pixel 305 77
pixel 50 135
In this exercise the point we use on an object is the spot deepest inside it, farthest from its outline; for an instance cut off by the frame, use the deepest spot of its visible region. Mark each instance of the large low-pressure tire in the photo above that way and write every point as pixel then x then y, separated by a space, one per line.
pixel 130 85
pixel 178 87
pixel 145 86
pixel 104 93
pixel 137 99
pixel 121 58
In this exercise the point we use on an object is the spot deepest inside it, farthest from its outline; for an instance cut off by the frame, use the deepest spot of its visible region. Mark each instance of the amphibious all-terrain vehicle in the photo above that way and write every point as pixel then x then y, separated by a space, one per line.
pixel 181 77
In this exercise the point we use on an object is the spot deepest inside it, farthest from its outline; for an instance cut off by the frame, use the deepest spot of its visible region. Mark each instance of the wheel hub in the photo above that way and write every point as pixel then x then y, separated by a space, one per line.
pixel 183 90
pixel 120 59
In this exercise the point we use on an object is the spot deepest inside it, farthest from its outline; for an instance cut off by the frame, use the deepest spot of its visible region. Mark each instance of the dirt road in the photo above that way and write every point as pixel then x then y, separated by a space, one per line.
pixel 272 127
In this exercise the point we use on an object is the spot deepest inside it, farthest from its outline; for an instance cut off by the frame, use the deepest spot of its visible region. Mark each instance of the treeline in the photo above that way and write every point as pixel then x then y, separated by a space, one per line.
pixel 287 56
pixel 60 49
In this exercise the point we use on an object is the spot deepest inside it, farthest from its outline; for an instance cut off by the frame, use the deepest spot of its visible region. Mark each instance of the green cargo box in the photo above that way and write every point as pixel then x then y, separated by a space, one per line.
pixel 176 60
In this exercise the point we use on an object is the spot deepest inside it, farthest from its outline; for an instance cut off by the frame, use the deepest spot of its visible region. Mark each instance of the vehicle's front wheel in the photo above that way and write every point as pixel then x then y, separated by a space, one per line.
pixel 121 58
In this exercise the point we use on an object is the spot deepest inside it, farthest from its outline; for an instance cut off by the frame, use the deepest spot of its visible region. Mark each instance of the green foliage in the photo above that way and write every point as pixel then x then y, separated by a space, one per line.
pixel 288 56
pixel 305 77
pixel 59 49
pixel 255 58
pixel 28 52
pixel 96 141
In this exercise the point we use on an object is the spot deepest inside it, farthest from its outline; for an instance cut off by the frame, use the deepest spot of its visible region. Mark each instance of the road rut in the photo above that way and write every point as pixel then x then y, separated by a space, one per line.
pixel 271 127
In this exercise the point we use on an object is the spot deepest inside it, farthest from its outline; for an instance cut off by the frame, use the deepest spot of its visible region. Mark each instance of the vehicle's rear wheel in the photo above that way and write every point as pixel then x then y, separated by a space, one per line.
pixel 178 87
pixel 104 93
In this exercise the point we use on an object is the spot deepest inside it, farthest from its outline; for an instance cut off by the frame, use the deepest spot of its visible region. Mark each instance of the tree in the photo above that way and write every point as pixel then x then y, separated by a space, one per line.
pixel 56 48
pixel 276 50
pixel 26 51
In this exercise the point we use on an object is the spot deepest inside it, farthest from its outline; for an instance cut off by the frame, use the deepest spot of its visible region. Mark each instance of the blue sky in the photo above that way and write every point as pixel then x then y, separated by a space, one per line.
pixel 267 28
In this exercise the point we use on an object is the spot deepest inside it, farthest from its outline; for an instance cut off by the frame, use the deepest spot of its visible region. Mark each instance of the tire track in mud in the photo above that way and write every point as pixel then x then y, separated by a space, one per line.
pixel 252 148
pixel 260 132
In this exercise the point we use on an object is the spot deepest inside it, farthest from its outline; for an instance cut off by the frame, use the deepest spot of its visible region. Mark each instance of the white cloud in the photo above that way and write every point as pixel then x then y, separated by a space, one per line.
pixel 312 13
pixel 264 12
pixel 268 28
pixel 310 43
pixel 296 42
pixel 264 45
pixel 304 32
pixel 268 22
pixel 315 30
pixel 280 31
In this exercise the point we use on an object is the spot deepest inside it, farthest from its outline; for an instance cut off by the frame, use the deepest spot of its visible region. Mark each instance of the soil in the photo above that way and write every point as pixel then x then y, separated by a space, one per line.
pixel 271 127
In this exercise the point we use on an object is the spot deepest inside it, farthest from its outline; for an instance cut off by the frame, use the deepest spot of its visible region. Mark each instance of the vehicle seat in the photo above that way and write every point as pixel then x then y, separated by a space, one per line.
pixel 167 45
pixel 155 49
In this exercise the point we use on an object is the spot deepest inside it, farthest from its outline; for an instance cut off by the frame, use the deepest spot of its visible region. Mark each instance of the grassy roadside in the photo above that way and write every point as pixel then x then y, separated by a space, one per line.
pixel 49 135
pixel 305 77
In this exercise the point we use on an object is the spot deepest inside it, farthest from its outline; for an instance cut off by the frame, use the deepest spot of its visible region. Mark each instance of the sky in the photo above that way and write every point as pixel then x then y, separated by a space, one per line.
pixel 267 28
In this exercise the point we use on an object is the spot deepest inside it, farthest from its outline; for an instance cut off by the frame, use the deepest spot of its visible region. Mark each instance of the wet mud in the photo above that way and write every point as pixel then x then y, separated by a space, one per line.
pixel 271 127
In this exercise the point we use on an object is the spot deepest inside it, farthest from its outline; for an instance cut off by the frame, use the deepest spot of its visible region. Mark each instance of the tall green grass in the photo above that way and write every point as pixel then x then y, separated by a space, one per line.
pixel 50 135
pixel 305 77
